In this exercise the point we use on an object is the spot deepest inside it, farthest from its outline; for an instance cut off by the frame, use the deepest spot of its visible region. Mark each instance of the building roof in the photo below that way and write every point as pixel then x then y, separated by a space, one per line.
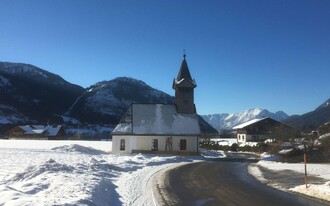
pixel 266 120
pixel 206 128
pixel 184 71
pixel 184 78
pixel 41 129
pixel 157 119
pixel 248 123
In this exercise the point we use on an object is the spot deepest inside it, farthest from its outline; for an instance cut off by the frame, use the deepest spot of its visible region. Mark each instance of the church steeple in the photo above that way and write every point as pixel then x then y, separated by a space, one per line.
pixel 184 71
pixel 184 89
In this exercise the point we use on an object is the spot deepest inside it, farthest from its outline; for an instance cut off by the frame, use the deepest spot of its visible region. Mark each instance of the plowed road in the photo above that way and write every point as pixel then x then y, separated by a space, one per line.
pixel 222 182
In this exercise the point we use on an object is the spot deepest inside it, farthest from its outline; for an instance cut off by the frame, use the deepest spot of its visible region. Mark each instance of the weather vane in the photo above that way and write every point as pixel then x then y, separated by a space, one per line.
pixel 184 53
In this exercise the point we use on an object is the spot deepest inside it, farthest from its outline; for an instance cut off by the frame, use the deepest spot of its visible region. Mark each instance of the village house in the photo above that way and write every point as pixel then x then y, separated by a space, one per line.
pixel 162 128
pixel 257 130
pixel 39 132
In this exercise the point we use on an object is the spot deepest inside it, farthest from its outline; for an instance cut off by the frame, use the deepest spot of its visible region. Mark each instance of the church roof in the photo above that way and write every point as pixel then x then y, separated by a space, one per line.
pixel 184 78
pixel 157 119
pixel 184 71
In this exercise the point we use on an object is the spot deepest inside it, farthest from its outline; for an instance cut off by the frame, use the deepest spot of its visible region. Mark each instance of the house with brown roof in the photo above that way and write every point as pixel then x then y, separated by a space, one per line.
pixel 36 132
pixel 257 130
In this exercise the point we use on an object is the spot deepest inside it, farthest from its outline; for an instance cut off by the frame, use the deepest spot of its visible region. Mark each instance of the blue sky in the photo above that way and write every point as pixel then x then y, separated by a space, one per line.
pixel 243 54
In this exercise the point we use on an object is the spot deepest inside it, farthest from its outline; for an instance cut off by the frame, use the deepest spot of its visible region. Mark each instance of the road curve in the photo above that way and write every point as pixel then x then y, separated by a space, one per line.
pixel 221 183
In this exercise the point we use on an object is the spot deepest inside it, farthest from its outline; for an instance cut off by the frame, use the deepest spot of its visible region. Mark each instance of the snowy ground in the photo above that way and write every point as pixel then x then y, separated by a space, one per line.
pixel 76 173
pixel 290 177
pixel 224 141
pixel 86 173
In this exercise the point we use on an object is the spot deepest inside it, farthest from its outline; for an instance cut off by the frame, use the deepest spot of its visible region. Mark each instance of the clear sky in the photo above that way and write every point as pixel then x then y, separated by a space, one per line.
pixel 271 54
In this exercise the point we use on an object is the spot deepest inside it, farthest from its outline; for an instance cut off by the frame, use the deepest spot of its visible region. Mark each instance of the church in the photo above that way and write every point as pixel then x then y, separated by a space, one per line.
pixel 162 128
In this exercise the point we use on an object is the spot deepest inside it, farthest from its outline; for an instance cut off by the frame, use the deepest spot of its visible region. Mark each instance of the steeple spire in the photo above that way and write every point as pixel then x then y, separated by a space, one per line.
pixel 184 89
pixel 184 70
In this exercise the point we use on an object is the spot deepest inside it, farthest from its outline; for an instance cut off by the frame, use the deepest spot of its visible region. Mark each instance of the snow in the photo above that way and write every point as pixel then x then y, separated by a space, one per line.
pixel 225 121
pixel 285 151
pixel 318 176
pixel 224 141
pixel 324 136
pixel 68 119
pixel 10 119
pixel 158 119
pixel 37 172
pixel 251 144
pixel 247 123
pixel 162 119
pixel 123 128
pixel 39 129
pixel 6 116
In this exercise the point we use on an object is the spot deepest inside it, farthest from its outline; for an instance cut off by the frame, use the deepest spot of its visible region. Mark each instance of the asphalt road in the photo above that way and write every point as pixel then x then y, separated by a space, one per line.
pixel 222 182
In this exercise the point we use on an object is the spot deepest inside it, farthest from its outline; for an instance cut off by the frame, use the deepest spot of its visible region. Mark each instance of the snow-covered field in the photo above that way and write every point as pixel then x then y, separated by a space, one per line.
pixel 290 176
pixel 76 173
pixel 86 173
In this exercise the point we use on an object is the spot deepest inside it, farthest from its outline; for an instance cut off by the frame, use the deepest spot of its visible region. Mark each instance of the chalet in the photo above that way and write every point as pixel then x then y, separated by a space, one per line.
pixel 259 130
pixel 162 128
pixel 36 132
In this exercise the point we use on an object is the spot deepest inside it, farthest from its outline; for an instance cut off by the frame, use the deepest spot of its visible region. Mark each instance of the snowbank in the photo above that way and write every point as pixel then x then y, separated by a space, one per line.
pixel 290 177
pixel 76 173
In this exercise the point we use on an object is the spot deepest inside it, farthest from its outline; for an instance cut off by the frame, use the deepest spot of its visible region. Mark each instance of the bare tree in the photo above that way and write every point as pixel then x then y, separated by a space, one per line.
pixel 281 134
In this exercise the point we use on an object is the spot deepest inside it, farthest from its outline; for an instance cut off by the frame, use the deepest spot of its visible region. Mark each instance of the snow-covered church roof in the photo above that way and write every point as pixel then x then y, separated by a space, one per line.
pixel 157 119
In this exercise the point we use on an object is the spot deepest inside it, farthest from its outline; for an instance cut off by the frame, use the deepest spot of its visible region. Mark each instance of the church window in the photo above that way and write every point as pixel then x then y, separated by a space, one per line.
pixel 122 144
pixel 183 144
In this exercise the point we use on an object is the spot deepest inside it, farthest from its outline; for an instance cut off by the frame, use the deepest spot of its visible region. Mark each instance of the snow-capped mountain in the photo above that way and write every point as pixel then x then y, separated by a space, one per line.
pixel 106 101
pixel 29 71
pixel 30 93
pixel 227 121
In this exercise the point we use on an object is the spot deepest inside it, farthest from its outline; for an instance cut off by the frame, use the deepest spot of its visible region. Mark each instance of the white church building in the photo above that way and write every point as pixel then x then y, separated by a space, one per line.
pixel 162 128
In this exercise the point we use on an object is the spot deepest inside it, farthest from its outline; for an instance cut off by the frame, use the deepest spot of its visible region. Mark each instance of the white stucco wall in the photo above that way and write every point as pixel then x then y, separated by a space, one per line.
pixel 116 144
pixel 241 138
pixel 145 143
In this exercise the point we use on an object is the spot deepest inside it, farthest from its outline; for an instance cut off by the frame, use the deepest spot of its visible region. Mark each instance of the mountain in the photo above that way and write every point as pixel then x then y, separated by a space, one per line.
pixel 28 93
pixel 107 101
pixel 225 121
pixel 31 94
pixel 313 119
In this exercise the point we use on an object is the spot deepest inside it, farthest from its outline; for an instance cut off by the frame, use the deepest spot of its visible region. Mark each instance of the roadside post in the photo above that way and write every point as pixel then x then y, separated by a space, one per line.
pixel 305 163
